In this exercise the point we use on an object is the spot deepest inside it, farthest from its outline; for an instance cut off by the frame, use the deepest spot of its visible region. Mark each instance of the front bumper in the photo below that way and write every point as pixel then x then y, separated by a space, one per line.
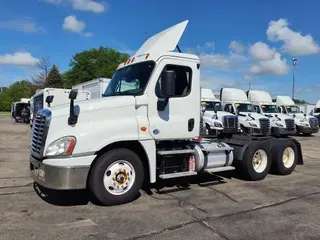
pixel 61 176
pixel 230 130
pixel 277 131
pixel 307 130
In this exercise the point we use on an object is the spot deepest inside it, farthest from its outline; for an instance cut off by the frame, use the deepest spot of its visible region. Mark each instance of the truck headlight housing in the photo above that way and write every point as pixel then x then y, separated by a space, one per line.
pixel 63 146
pixel 252 124
pixel 279 124
pixel 217 124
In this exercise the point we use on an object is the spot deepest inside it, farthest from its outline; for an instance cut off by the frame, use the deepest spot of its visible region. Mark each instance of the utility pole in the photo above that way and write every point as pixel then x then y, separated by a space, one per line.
pixel 294 63
pixel 249 85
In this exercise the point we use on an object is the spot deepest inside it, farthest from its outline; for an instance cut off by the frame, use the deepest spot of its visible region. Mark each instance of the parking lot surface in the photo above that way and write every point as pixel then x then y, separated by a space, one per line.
pixel 217 207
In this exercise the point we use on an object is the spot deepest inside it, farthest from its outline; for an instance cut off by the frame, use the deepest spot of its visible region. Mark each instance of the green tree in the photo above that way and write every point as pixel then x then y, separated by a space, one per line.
pixel 16 91
pixel 93 63
pixel 54 78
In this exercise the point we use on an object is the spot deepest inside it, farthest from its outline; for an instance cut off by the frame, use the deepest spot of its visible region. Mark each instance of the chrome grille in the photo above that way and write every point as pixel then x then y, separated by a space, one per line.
pixel 313 123
pixel 264 126
pixel 290 123
pixel 40 128
pixel 230 122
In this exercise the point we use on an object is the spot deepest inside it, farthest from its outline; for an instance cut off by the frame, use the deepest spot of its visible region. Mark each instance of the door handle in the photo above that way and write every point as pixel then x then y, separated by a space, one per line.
pixel 190 124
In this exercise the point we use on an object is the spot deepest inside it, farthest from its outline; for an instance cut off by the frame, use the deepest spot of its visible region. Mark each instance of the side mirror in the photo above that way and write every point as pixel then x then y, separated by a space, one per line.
pixel 301 111
pixel 276 115
pixel 304 114
pixel 215 110
pixel 168 84
pixel 294 115
pixel 73 94
pixel 49 99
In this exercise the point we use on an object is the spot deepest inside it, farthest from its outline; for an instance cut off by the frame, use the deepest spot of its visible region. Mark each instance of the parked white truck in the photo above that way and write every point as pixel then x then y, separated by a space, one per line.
pixel 50 97
pixel 281 124
pixel 20 111
pixel 235 101
pixel 305 124
pixel 96 87
pixel 217 121
pixel 316 111
pixel 145 133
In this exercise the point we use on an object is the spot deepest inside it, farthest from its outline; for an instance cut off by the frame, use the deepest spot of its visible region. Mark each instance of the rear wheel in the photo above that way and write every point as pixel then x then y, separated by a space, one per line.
pixel 256 161
pixel 117 177
pixel 285 157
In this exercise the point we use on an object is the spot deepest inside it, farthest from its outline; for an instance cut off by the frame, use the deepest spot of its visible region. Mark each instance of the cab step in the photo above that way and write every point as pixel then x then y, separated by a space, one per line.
pixel 177 175
pixel 172 152
pixel 219 169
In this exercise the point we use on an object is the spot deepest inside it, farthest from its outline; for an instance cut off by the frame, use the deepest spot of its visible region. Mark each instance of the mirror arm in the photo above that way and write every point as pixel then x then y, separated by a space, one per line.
pixel 161 105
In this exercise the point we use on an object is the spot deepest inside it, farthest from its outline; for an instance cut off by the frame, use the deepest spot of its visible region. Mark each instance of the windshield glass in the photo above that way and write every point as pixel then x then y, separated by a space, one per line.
pixel 212 106
pixel 244 107
pixel 317 110
pixel 293 109
pixel 269 108
pixel 130 80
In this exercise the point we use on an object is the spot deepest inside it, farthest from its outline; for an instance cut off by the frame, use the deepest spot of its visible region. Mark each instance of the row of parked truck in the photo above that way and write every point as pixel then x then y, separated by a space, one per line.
pixel 148 126
pixel 254 113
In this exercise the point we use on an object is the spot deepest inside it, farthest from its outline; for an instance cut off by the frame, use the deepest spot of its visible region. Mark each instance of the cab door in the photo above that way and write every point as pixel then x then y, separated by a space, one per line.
pixel 179 118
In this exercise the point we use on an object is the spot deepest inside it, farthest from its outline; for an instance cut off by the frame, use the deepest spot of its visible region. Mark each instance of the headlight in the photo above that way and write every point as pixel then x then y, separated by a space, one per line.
pixel 62 146
pixel 217 124
pixel 279 124
pixel 252 124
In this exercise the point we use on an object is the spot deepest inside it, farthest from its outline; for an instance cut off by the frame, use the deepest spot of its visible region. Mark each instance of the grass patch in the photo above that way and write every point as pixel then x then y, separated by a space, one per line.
pixel 4 113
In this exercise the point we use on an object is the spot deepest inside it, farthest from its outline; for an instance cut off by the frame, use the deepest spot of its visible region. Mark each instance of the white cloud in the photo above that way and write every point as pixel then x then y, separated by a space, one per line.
pixel 18 58
pixel 217 82
pixel 221 61
pixel 267 60
pixel 248 77
pixel 294 43
pixel 81 5
pixel 88 5
pixel 25 25
pixel 73 25
pixel 238 47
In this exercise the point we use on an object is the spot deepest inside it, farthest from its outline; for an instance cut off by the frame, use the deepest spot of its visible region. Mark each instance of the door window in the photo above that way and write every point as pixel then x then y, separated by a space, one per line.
pixel 182 80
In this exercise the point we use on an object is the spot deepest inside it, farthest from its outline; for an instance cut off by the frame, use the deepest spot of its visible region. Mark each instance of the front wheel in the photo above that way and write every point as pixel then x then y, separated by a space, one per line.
pixel 256 161
pixel 116 177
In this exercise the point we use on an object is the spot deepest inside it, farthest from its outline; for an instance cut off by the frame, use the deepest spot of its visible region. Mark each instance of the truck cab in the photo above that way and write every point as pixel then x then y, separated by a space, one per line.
pixel 217 121
pixel 305 124
pixel 281 124
pixel 235 101
pixel 145 128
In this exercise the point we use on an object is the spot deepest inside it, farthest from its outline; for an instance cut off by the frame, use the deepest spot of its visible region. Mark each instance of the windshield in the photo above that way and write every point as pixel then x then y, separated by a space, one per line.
pixel 212 106
pixel 244 107
pixel 293 109
pixel 130 80
pixel 269 108
pixel 317 110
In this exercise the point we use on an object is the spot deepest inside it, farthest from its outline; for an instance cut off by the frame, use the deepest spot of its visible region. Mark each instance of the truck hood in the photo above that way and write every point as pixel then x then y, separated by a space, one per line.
pixel 93 105
pixel 253 114
pixel 220 114
pixel 280 115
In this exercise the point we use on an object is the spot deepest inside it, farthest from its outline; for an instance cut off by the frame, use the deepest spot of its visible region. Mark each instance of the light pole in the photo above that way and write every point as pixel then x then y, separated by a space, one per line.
pixel 294 63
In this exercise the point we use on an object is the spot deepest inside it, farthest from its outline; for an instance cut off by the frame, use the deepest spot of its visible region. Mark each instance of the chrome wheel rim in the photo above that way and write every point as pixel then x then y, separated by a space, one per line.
pixel 119 177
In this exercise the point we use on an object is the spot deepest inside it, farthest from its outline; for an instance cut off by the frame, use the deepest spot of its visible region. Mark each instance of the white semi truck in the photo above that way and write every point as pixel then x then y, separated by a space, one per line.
pixel 50 97
pixel 217 122
pixel 96 87
pixel 316 111
pixel 236 102
pixel 20 111
pixel 305 124
pixel 144 133
pixel 281 124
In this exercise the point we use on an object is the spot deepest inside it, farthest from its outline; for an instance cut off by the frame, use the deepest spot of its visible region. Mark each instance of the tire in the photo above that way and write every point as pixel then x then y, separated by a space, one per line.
pixel 106 170
pixel 280 164
pixel 252 169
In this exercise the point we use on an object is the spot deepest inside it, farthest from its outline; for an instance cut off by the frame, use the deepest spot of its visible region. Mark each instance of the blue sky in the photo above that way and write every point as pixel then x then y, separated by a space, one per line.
pixel 237 41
